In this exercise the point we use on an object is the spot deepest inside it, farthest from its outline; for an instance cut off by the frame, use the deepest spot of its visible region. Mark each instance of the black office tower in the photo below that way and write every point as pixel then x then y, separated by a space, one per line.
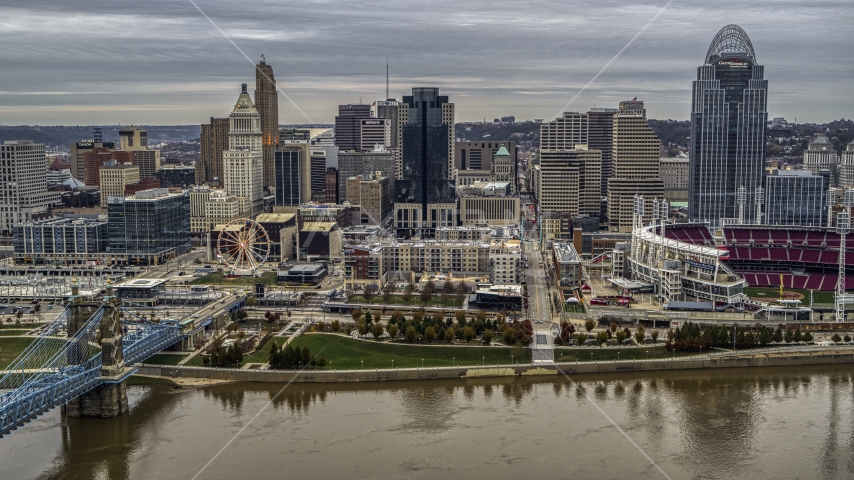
pixel 289 183
pixel 425 153
pixel 348 126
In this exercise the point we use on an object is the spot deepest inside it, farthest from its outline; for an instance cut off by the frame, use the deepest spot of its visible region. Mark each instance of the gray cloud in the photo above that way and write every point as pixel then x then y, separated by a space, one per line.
pixel 161 62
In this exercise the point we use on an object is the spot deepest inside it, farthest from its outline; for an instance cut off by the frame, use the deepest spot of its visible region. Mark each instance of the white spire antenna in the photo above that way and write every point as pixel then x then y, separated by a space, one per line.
pixel 386 79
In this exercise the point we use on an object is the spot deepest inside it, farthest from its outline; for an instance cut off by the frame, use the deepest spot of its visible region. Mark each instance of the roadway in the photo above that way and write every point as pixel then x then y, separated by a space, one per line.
pixel 538 301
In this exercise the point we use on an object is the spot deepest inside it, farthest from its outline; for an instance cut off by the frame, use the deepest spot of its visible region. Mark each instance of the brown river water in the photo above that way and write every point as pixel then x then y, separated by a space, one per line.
pixel 712 424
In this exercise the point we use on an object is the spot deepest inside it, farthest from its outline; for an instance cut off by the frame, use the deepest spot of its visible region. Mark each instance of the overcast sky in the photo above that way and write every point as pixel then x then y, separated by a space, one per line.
pixel 162 62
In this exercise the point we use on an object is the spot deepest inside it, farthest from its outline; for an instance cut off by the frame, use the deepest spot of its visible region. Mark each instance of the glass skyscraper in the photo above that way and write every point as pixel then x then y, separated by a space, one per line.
pixel 426 145
pixel 728 119
pixel 149 227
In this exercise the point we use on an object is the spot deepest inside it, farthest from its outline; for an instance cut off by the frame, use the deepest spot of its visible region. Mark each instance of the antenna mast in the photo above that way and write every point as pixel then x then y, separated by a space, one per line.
pixel 386 79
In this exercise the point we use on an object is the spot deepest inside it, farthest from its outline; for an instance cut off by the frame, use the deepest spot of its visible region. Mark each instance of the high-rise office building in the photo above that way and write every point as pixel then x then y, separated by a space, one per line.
pixel 292 181
pixel 348 126
pixel 373 194
pixel 389 109
pixel 267 104
pixel 213 141
pixel 820 155
pixel 136 141
pixel 600 136
pixel 149 227
pixel 428 161
pixel 564 133
pixel 93 159
pixel 846 167
pixel 331 185
pixel 114 177
pixel 568 180
pixel 795 198
pixel 569 184
pixel 24 178
pixel 243 174
pixel 397 113
pixel 375 131
pixel 317 175
pixel 728 121
pixel 351 164
pixel 636 165
pixel 78 149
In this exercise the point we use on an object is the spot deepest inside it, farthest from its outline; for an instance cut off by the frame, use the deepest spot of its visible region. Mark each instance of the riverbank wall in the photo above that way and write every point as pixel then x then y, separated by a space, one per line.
pixel 713 361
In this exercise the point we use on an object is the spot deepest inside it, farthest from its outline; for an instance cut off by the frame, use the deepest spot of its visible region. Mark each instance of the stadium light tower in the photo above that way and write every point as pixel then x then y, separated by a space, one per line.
pixel 760 200
pixel 664 206
pixel 830 201
pixel 741 197
pixel 843 224
pixel 653 252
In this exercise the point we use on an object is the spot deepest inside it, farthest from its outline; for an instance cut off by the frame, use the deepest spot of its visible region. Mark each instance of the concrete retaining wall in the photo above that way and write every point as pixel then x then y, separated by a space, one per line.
pixel 383 375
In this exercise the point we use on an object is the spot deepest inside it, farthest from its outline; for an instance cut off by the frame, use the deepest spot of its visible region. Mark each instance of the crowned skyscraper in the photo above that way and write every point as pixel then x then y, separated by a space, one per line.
pixel 728 119
pixel 267 104
pixel 243 168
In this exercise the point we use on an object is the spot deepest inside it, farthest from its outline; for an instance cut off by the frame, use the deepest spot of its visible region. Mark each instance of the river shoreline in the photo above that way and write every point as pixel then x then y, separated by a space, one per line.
pixel 814 356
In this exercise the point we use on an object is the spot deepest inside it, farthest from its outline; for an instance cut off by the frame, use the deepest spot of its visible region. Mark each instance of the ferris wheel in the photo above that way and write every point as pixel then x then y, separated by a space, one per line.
pixel 243 245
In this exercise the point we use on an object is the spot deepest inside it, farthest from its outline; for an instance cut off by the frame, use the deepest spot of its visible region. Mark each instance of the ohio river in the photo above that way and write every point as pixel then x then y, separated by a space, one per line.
pixel 745 423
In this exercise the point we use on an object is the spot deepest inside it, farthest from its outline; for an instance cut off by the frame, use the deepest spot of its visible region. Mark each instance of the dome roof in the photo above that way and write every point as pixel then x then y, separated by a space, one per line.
pixel 731 41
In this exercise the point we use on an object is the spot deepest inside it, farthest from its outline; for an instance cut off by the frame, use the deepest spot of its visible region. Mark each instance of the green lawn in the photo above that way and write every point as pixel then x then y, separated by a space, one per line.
pixel 216 278
pixel 197 361
pixel 771 294
pixel 10 348
pixel 346 353
pixel 262 355
pixel 164 359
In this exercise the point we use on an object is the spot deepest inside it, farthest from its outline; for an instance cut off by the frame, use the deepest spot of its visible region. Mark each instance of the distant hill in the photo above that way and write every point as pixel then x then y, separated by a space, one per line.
pixel 62 136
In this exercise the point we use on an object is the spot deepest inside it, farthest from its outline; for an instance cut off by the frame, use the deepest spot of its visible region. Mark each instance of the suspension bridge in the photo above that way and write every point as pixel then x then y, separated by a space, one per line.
pixel 80 362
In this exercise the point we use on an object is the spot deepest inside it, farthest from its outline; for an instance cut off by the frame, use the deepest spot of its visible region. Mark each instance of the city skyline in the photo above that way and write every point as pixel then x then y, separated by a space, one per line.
pixel 169 65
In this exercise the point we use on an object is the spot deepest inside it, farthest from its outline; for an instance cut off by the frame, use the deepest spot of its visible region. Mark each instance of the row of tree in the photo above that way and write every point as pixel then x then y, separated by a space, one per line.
pixel 457 291
pixel 430 328
pixel 293 358
pixel 224 357
pixel 691 338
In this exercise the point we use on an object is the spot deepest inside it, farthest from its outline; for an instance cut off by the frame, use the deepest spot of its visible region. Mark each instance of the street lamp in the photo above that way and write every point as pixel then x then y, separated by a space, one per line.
pixel 422 363
pixel 454 360
pixel 591 356
pixel 392 364
pixel 484 361
pixel 363 364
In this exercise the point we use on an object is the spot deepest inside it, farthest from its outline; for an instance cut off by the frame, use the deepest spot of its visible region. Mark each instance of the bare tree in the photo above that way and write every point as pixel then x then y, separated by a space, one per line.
pixel 369 292
pixel 387 291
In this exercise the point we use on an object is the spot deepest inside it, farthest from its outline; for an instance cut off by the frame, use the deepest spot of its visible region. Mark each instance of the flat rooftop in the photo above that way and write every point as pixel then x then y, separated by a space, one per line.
pixel 138 283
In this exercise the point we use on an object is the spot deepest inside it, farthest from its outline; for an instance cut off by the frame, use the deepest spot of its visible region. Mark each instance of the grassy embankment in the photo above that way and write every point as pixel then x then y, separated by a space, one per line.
pixel 10 348
pixel 346 353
